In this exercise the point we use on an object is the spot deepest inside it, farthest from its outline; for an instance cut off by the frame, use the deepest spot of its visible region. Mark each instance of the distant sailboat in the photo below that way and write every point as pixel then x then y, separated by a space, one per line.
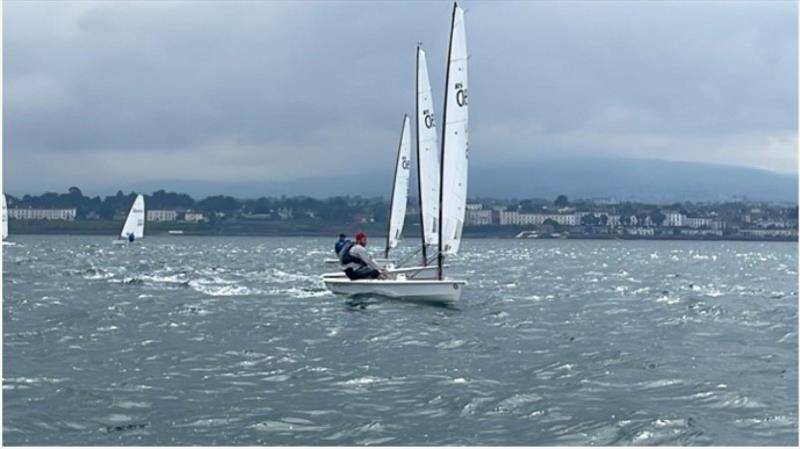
pixel 133 229
pixel 4 230
pixel 452 189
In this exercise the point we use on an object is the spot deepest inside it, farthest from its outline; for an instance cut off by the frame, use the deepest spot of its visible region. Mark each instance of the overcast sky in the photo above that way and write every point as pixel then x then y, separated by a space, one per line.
pixel 105 93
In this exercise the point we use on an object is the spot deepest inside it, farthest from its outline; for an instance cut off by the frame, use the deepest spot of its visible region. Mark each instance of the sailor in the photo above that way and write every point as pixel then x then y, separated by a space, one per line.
pixel 340 244
pixel 356 262
pixel 131 237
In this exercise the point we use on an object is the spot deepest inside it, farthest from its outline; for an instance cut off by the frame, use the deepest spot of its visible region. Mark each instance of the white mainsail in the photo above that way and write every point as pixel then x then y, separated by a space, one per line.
pixel 455 139
pixel 402 173
pixel 427 154
pixel 4 218
pixel 134 224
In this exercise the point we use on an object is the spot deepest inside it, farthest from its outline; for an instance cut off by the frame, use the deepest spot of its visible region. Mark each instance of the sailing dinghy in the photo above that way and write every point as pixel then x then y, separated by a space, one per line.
pixel 399 198
pixel 133 229
pixel 452 189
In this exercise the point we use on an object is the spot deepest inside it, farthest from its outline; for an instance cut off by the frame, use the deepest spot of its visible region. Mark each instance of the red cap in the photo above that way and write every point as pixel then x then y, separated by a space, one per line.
pixel 360 235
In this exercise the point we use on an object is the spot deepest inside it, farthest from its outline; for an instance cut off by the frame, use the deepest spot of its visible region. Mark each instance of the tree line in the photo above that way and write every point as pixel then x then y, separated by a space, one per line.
pixel 301 207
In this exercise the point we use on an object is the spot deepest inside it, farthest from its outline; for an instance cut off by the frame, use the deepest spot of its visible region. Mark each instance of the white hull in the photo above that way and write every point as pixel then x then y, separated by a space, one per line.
pixel 425 290
pixel 378 260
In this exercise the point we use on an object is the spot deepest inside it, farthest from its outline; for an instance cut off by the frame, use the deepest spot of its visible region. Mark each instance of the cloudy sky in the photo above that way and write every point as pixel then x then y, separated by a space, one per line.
pixel 99 94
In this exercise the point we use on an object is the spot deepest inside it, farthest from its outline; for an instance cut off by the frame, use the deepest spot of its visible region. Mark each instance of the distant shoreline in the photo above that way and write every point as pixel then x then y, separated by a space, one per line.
pixel 374 230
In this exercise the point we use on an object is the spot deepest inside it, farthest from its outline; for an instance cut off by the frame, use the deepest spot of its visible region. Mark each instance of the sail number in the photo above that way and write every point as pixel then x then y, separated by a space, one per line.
pixel 461 97
pixel 429 122
pixel 406 164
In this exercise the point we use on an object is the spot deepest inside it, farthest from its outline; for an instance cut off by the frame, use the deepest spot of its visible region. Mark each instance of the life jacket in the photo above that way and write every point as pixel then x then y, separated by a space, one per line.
pixel 339 245
pixel 345 258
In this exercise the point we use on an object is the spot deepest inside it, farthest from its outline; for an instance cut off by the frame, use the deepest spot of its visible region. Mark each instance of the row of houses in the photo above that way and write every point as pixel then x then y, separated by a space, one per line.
pixel 70 214
pixel 476 216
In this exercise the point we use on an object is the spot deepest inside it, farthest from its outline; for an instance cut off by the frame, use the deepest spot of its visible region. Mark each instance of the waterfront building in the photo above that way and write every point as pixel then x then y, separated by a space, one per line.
pixel 162 215
pixel 674 219
pixel 478 217
pixel 42 214
pixel 698 222
pixel 196 217
pixel 517 218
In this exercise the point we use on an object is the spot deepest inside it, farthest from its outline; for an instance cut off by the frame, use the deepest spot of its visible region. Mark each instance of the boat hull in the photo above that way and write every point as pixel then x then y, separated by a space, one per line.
pixel 446 291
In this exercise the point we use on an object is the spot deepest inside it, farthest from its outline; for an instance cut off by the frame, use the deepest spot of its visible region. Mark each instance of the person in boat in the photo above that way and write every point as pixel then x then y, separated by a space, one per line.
pixel 340 244
pixel 356 262
pixel 131 237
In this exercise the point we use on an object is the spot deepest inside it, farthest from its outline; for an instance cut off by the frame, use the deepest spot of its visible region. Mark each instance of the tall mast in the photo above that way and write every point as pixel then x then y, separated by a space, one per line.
pixel 419 171
pixel 440 256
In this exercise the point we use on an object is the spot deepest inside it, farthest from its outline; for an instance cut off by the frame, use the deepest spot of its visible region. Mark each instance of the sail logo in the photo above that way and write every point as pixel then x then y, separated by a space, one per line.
pixel 406 164
pixel 461 95
pixel 429 122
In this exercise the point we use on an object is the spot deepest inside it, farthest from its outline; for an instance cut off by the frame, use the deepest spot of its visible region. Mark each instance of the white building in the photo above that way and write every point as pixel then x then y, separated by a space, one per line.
pixel 194 217
pixel 698 222
pixel 42 214
pixel 516 218
pixel 162 215
pixel 674 219
pixel 478 217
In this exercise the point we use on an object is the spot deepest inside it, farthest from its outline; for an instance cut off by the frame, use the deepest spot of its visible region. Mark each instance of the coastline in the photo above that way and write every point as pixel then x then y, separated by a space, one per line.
pixel 376 230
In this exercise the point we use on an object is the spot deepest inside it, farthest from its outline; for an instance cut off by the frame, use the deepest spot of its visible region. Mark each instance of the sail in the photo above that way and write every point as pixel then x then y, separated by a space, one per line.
pixel 427 154
pixel 5 219
pixel 135 222
pixel 455 139
pixel 402 173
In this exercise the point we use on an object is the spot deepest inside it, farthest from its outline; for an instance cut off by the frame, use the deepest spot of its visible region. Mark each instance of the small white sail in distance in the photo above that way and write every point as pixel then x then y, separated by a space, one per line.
pixel 427 154
pixel 4 218
pixel 455 139
pixel 402 173
pixel 134 224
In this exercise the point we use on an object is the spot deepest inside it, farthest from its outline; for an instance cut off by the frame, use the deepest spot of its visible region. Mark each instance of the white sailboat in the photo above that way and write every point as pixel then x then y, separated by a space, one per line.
pixel 4 230
pixel 451 189
pixel 133 229
pixel 399 201
pixel 399 198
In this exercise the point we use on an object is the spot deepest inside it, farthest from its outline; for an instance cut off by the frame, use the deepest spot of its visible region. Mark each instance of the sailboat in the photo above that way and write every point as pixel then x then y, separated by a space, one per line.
pixel 399 197
pixel 452 189
pixel 133 229
pixel 4 230
pixel 399 202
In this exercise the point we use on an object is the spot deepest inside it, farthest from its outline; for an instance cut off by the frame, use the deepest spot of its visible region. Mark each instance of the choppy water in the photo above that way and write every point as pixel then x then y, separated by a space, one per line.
pixel 235 341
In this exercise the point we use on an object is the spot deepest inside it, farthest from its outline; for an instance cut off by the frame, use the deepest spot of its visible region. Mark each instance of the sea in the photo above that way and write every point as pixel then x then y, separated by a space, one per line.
pixel 182 340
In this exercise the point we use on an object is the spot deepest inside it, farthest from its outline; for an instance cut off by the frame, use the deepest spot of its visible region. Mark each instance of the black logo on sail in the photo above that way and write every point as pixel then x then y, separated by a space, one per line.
pixel 429 122
pixel 461 95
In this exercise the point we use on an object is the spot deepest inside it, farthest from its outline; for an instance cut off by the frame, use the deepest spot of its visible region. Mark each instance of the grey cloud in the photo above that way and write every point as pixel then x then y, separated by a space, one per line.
pixel 169 87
